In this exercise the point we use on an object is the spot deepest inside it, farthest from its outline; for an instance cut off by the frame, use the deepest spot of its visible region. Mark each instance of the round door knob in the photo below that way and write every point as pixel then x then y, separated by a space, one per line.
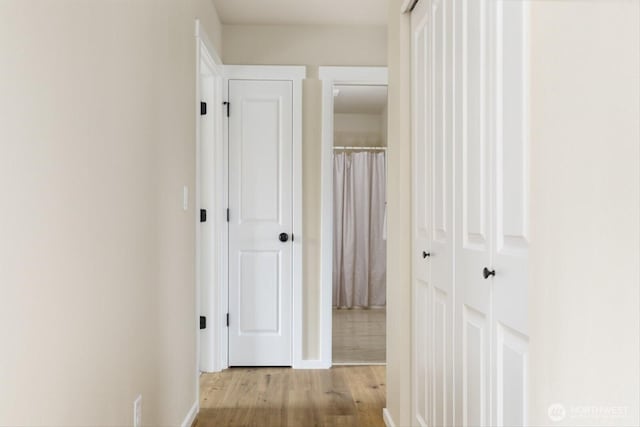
pixel 425 254
pixel 486 273
pixel 283 237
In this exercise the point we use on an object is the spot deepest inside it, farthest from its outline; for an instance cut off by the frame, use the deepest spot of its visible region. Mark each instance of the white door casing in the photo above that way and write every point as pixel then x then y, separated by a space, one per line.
pixel 264 271
pixel 210 194
pixel 330 76
pixel 210 232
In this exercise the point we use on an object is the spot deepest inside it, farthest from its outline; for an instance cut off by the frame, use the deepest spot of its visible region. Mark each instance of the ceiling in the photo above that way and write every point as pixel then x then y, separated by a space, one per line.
pixel 303 12
pixel 359 99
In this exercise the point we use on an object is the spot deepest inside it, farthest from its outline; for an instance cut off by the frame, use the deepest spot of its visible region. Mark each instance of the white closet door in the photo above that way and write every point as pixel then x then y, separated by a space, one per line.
pixel 511 216
pixel 470 122
pixel 441 260
pixel 473 215
pixel 421 233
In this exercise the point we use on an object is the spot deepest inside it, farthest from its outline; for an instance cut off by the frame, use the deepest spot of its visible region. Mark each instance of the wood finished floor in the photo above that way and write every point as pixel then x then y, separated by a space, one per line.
pixel 359 335
pixel 343 396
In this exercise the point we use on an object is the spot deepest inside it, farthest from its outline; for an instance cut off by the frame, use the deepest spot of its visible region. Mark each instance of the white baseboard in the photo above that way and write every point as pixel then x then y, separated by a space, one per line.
pixel 191 415
pixel 312 364
pixel 386 416
pixel 359 363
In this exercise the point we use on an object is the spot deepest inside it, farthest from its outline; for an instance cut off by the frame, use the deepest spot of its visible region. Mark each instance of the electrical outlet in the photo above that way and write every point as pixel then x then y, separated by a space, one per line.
pixel 137 411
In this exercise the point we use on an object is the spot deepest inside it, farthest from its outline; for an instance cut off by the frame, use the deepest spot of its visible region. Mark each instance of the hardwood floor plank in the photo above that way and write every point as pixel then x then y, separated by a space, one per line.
pixel 359 335
pixel 365 386
pixel 345 396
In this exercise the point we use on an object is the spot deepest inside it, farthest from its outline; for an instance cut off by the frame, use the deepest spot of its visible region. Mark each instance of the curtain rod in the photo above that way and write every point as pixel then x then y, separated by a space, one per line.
pixel 359 148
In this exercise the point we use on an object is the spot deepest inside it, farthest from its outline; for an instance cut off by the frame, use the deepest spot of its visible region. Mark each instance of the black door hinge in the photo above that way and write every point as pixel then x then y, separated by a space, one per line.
pixel 203 322
pixel 203 108
pixel 227 214
pixel 203 215
pixel 292 237
pixel 228 105
pixel 227 320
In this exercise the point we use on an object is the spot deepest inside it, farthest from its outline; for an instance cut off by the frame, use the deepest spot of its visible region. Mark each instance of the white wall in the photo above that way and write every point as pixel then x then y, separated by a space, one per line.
pixel 312 46
pixel 584 299
pixel 305 44
pixel 360 130
pixel 96 254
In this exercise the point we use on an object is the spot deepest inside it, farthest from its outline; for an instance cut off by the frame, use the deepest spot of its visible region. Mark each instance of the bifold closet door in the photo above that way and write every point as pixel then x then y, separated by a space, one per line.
pixel 432 24
pixel 473 214
pixel 470 120
pixel 441 169
pixel 511 214
pixel 421 227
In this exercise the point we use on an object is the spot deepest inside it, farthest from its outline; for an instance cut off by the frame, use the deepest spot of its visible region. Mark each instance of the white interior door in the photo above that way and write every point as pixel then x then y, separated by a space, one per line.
pixel 511 216
pixel 421 234
pixel 261 214
pixel 441 259
pixel 473 216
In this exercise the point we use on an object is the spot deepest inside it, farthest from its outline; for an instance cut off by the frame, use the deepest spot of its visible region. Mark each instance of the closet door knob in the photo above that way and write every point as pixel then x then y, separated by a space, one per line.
pixel 486 273
pixel 425 254
pixel 283 237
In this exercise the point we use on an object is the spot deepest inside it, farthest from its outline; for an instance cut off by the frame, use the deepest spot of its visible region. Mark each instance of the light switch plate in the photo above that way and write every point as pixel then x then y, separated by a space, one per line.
pixel 137 411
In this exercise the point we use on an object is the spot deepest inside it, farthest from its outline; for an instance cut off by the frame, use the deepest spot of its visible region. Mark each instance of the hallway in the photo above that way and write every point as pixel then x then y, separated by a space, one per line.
pixel 346 396
pixel 167 209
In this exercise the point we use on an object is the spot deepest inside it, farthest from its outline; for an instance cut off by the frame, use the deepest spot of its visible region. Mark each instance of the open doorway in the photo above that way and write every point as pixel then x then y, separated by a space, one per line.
pixel 359 224
pixel 354 215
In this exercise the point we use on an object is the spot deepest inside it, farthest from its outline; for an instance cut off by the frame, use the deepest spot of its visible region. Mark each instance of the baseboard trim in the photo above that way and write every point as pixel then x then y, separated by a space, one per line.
pixel 359 363
pixel 191 415
pixel 386 416
pixel 312 364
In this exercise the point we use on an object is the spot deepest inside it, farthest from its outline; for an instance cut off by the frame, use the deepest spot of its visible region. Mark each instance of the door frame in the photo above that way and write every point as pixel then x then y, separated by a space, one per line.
pixel 330 76
pixel 208 65
pixel 295 74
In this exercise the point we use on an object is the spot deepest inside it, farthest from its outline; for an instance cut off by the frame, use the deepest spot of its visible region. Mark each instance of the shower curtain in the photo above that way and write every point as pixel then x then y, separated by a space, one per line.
pixel 359 247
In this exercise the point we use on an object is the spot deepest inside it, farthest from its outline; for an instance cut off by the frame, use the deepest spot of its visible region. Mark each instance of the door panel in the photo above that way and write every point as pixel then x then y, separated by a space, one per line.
pixel 422 369
pixel 512 150
pixel 511 205
pixel 422 223
pixel 260 141
pixel 440 166
pixel 472 130
pixel 511 377
pixel 473 203
pixel 441 260
pixel 474 394
pixel 260 203
pixel 441 358
pixel 259 293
